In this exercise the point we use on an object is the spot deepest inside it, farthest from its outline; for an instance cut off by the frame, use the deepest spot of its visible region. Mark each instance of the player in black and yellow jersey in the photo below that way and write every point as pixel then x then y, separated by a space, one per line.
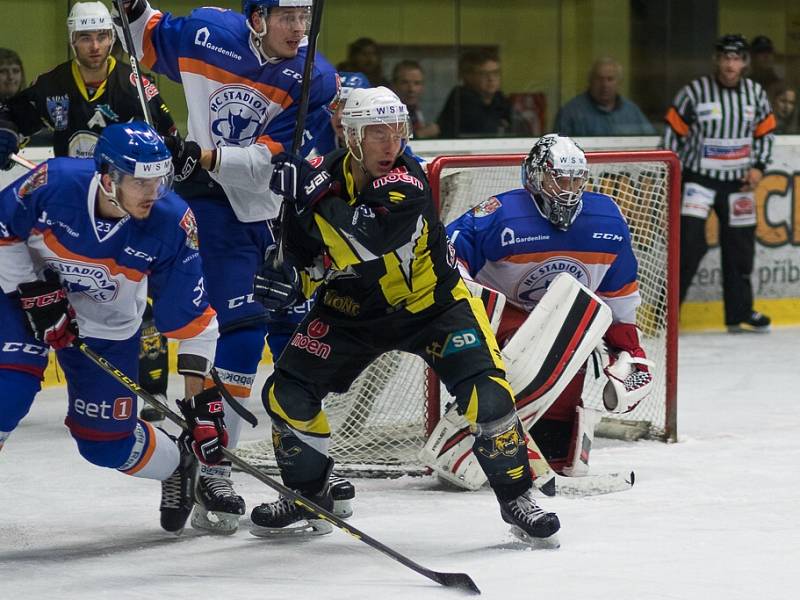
pixel 362 233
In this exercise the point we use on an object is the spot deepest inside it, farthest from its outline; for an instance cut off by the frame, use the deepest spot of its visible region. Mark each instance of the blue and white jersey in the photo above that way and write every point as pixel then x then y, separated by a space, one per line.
pixel 505 243
pixel 48 221
pixel 239 102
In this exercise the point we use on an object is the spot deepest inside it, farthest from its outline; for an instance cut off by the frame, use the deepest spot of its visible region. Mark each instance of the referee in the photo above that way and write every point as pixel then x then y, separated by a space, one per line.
pixel 721 128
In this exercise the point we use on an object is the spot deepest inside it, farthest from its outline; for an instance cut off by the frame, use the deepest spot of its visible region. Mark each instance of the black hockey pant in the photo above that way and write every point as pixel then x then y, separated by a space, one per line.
pixel 326 354
pixel 737 245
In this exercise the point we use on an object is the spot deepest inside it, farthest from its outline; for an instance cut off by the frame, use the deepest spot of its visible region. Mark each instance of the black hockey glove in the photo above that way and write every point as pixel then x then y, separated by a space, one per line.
pixel 185 156
pixel 49 313
pixel 205 418
pixel 9 143
pixel 276 286
pixel 300 183
pixel 133 9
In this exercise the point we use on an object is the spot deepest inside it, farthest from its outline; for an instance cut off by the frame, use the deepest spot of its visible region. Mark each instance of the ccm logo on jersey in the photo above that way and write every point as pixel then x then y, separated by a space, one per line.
pixel 607 236
pixel 138 254
pixel 119 411
pixel 397 177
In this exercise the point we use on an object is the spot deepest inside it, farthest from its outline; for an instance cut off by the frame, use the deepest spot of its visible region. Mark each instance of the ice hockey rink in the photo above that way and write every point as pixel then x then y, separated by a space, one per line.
pixel 713 516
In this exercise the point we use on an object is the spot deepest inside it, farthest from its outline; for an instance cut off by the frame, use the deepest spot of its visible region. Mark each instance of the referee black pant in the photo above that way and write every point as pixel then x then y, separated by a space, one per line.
pixel 736 243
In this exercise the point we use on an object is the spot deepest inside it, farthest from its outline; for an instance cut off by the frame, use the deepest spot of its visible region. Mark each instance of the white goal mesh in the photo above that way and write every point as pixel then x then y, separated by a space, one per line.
pixel 381 422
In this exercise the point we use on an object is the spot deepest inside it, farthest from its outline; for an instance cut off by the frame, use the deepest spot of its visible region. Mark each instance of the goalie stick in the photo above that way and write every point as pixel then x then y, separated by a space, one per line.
pixel 460 581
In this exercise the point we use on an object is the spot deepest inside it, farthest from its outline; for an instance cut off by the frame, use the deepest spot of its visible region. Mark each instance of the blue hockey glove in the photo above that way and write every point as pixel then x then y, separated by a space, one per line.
pixel 9 143
pixel 298 181
pixel 276 286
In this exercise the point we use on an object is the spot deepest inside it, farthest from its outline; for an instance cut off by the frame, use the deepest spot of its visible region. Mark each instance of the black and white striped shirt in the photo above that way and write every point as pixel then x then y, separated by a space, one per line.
pixel 721 132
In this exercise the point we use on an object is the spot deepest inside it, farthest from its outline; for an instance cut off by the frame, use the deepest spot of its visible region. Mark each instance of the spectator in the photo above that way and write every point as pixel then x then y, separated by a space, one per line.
pixel 601 110
pixel 724 152
pixel 408 80
pixel 784 103
pixel 364 56
pixel 478 107
pixel 762 62
pixel 12 74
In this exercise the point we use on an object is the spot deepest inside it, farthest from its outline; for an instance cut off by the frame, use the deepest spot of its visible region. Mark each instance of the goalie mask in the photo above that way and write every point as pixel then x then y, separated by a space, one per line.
pixel 555 172
pixel 374 106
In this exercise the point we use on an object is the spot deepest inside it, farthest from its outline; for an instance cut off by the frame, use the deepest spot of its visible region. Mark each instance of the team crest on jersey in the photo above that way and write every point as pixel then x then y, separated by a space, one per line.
pixel 58 109
pixel 91 280
pixel 237 114
pixel 189 225
pixel 487 207
pixel 34 181
pixel 534 283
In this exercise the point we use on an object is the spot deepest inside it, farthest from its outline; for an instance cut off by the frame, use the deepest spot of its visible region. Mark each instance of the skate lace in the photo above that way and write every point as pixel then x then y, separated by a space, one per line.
pixel 525 509
pixel 282 507
pixel 220 487
pixel 171 496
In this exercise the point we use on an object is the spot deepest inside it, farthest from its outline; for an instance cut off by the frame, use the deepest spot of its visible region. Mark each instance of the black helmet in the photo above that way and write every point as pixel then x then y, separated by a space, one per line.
pixel 732 42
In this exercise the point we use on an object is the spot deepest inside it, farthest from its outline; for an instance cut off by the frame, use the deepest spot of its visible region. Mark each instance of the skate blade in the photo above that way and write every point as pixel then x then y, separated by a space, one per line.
pixel 343 508
pixel 218 523
pixel 310 528
pixel 548 543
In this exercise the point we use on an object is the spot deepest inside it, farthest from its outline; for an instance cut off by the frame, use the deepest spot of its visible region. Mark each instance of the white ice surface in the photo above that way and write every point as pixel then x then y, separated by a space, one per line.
pixel 714 516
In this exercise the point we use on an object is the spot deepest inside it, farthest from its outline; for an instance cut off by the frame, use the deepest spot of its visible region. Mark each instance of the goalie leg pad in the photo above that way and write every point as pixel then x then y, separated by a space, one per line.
pixel 553 344
pixel 494 302
pixel 582 439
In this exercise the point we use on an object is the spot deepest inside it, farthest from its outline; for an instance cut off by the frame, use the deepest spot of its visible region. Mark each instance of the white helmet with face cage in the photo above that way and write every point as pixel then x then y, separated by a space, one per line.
pixel 373 106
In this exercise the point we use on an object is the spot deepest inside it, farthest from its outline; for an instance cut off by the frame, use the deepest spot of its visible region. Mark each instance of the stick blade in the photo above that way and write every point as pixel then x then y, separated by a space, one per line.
pixel 460 581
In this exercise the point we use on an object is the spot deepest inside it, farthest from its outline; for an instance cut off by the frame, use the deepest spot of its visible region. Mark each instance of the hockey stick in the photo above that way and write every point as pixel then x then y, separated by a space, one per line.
pixel 302 108
pixel 460 581
pixel 126 32
pixel 22 162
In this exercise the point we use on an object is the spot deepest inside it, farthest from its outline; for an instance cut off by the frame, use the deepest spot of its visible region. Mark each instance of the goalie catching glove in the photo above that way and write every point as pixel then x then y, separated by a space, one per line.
pixel 629 377
pixel 206 434
pixel 51 317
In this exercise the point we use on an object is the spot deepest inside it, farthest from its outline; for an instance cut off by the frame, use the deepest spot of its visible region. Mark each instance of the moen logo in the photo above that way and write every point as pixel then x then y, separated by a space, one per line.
pixel 455 342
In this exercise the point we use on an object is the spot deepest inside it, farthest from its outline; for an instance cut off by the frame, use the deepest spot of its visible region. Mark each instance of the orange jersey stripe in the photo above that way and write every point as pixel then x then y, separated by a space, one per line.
pixel 51 241
pixel 148 453
pixel 766 126
pixel 237 391
pixel 675 121
pixel 10 241
pixel 625 291
pixel 148 49
pixel 587 258
pixel 274 147
pixel 198 67
pixel 194 327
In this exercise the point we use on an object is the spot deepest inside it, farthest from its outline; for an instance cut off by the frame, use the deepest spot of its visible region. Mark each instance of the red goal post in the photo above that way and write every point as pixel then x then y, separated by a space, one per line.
pixel 646 185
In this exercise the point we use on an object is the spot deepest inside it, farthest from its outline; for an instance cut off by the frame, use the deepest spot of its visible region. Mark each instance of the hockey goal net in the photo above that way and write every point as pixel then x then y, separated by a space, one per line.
pixel 380 424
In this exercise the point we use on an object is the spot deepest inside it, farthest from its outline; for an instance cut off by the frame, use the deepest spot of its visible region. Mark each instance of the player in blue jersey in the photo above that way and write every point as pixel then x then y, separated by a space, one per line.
pixel 519 241
pixel 242 75
pixel 80 240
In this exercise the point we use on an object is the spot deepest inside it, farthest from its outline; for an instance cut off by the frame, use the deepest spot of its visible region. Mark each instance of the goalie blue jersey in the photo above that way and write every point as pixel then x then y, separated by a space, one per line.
pixel 505 243
pixel 48 223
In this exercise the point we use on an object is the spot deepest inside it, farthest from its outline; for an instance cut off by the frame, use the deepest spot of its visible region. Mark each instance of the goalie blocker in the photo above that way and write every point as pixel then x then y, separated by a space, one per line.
pixel 542 358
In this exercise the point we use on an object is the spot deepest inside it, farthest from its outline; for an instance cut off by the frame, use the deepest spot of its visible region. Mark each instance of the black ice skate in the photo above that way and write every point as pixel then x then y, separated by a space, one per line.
pixel 151 414
pixel 529 522
pixel 342 492
pixel 755 323
pixel 284 517
pixel 177 495
pixel 217 506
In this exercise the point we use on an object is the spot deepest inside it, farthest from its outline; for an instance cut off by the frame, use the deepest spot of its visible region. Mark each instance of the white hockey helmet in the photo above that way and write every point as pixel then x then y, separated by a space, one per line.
pixel 555 172
pixel 373 106
pixel 89 16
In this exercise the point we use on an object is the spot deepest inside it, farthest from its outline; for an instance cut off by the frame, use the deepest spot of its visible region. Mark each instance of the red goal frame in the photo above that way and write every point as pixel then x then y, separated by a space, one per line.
pixel 440 163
